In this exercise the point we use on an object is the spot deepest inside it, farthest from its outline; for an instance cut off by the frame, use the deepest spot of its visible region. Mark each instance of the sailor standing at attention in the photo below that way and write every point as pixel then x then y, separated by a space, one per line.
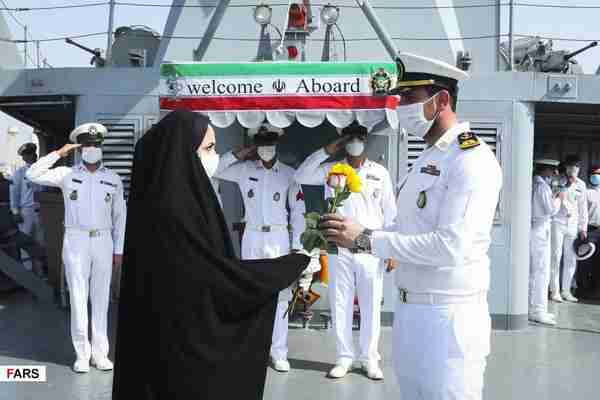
pixel 22 202
pixel 274 214
pixel 441 237
pixel 545 204
pixel 94 236
pixel 375 207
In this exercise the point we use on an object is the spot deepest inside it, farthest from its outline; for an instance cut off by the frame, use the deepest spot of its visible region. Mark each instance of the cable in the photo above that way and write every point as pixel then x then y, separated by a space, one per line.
pixel 132 4
pixel 67 6
pixel 554 6
pixel 484 5
pixel 6 8
pixel 343 39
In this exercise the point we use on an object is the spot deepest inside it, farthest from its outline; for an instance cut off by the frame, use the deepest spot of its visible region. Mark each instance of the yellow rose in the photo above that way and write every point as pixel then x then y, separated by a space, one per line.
pixel 353 183
pixel 338 169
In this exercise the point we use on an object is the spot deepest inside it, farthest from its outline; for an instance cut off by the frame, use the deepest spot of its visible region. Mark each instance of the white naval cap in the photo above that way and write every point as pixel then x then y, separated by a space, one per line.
pixel 547 161
pixel 414 70
pixel 584 249
pixel 89 133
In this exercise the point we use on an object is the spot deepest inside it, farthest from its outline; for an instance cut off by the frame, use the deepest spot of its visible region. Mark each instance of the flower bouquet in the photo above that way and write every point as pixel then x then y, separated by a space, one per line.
pixel 344 180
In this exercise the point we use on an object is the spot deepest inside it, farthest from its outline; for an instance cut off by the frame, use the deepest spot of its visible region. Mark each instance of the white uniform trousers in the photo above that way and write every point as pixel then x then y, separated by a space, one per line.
pixel 562 246
pixel 439 352
pixel 257 245
pixel 364 273
pixel 88 269
pixel 539 267
pixel 31 226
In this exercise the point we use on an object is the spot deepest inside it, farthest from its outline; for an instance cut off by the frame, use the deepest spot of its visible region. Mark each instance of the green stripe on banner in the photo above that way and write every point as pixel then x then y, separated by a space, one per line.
pixel 274 68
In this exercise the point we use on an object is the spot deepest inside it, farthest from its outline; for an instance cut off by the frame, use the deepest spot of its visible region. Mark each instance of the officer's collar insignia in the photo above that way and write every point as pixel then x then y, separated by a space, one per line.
pixel 431 169
pixel 468 140
pixel 373 177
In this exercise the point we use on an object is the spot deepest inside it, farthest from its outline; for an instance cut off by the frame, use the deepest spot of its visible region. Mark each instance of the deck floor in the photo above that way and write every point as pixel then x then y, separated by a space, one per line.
pixel 541 362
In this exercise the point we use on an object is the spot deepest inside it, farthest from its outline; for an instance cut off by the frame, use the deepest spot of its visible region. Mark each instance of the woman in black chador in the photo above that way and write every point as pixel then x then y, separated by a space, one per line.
pixel 194 321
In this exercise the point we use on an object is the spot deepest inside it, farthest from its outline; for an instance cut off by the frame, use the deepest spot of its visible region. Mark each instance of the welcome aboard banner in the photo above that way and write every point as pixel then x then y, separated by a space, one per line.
pixel 282 92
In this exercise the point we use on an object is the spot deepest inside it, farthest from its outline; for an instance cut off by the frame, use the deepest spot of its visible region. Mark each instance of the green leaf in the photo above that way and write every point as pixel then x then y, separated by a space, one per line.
pixel 311 239
pixel 312 220
pixel 344 195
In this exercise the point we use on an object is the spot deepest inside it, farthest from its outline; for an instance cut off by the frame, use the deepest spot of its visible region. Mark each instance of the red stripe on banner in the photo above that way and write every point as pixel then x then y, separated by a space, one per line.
pixel 264 103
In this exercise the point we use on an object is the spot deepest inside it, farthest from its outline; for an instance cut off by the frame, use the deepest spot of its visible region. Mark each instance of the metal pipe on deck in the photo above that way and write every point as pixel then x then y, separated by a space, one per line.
pixel 213 25
pixel 511 29
pixel 111 21
pixel 381 32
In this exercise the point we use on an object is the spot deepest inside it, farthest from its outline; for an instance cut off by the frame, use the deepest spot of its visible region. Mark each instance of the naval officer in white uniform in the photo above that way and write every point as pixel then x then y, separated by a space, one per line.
pixel 568 223
pixel 441 237
pixel 94 237
pixel 274 214
pixel 374 207
pixel 545 204
pixel 23 204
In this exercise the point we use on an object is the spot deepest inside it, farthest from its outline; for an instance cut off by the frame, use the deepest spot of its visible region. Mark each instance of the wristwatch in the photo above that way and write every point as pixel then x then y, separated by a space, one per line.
pixel 362 243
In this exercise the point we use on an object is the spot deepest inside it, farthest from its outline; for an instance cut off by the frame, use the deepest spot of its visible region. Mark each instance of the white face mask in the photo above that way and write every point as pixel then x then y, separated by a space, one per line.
pixel 91 155
pixel 210 162
pixel 267 153
pixel 412 118
pixel 355 147
pixel 573 171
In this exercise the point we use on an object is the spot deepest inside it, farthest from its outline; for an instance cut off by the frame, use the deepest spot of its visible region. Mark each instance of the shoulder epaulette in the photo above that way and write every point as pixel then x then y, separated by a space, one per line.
pixel 468 140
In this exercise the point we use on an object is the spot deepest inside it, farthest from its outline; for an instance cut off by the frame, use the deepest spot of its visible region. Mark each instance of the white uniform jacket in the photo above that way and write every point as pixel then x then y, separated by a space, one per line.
pixel 92 200
pixel 573 211
pixel 267 194
pixel 374 207
pixel 446 209
pixel 22 190
pixel 543 205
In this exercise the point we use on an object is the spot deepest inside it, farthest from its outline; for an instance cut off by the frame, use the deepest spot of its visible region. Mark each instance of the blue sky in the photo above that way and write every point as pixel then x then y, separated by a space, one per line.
pixel 578 23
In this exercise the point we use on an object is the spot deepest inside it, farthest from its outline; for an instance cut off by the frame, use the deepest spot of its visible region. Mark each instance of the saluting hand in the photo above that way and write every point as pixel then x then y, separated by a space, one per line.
pixel 246 153
pixel 66 149
pixel 335 146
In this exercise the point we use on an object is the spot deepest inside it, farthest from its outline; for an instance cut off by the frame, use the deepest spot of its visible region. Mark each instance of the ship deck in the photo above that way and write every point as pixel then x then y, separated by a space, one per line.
pixel 541 362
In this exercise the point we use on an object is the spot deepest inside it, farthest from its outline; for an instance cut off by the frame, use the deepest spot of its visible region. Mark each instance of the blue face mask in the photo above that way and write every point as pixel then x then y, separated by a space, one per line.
pixel 595 179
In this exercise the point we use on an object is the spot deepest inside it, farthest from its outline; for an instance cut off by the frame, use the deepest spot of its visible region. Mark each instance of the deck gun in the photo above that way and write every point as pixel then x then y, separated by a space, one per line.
pixel 535 54
pixel 97 60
